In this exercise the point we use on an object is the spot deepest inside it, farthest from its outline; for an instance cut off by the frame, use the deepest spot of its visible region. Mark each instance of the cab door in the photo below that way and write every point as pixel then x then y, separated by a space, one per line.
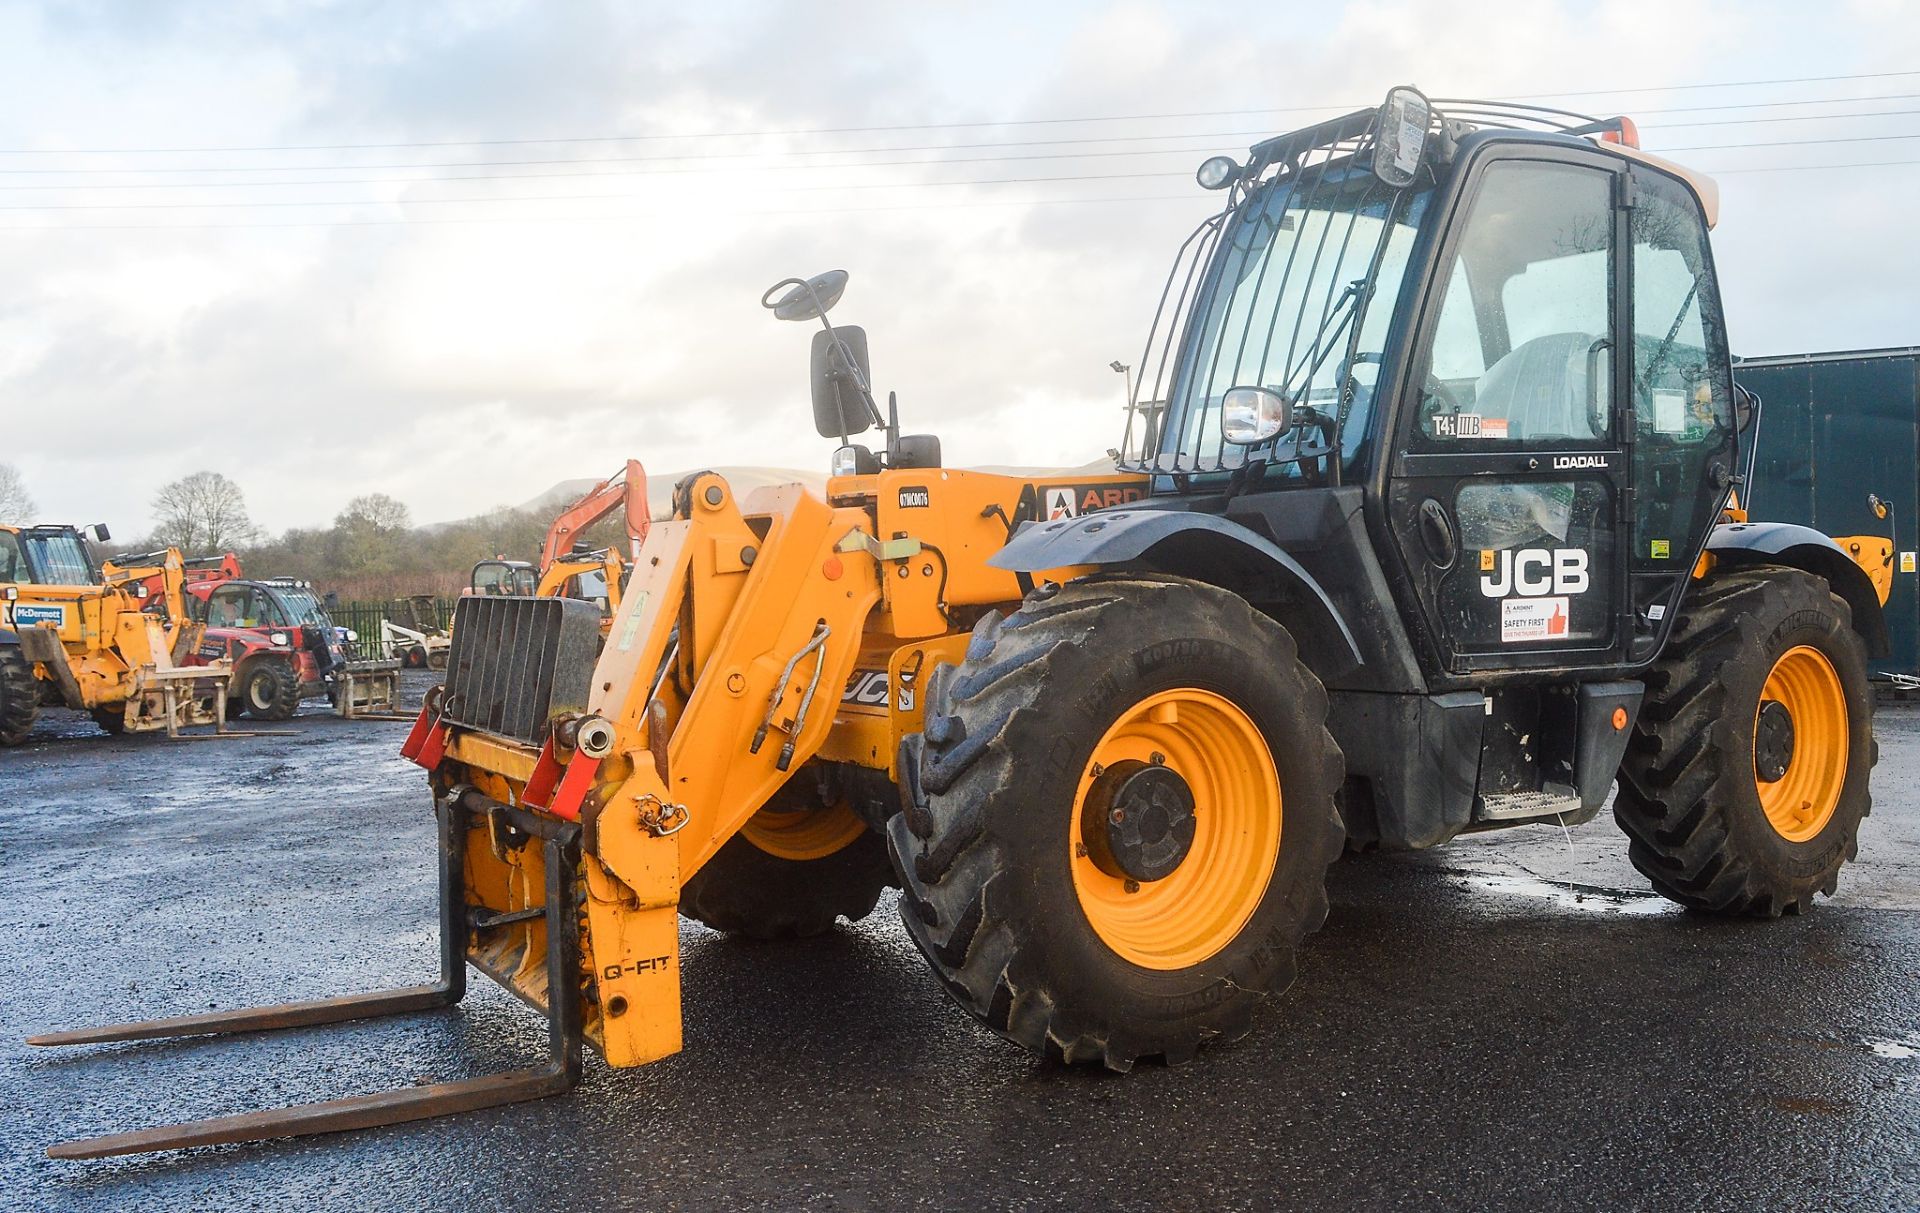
pixel 1509 493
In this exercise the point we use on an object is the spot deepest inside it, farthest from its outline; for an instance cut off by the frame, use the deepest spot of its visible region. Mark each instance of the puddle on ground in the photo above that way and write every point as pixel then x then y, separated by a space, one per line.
pixel 1585 898
pixel 1897 1050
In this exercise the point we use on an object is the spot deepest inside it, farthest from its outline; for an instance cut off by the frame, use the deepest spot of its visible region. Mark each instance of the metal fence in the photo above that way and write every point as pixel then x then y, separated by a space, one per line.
pixel 365 618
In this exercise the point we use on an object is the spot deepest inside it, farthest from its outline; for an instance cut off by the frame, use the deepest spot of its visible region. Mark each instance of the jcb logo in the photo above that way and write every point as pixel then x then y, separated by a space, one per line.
pixel 866 687
pixel 1532 572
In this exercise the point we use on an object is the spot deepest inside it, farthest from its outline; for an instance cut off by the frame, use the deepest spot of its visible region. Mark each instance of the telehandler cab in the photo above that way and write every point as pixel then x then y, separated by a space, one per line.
pixel 1421 526
pixel 108 638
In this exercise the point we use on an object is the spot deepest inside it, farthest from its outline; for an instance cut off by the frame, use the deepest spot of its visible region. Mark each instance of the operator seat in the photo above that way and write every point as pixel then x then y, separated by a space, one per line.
pixel 1540 387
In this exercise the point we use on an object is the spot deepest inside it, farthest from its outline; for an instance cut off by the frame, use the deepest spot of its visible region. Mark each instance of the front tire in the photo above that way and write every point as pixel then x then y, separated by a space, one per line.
pixel 19 696
pixel 1745 781
pixel 270 689
pixel 1119 819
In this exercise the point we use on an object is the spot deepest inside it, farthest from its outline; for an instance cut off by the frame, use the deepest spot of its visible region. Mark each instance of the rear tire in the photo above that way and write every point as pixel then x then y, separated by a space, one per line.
pixel 1023 902
pixel 19 696
pixel 1731 813
pixel 270 689
pixel 793 871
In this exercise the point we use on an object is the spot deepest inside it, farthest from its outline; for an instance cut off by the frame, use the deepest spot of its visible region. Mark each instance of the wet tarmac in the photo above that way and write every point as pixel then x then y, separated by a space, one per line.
pixel 1509 1022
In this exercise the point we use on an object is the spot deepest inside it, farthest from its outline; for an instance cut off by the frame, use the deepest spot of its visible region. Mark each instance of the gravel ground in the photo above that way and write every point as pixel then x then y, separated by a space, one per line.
pixel 1509 1022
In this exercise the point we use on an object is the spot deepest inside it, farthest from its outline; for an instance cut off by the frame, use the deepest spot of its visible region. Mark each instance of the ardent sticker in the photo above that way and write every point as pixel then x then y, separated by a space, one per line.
pixel 1061 504
pixel 1533 619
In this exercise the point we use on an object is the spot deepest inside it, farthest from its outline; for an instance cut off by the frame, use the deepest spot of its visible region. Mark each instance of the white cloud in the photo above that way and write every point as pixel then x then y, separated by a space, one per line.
pixel 461 365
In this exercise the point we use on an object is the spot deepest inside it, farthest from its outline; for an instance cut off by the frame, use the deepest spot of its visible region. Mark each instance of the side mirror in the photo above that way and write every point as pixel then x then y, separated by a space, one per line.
pixel 839 410
pixel 916 451
pixel 1400 138
pixel 1251 415
pixel 807 299
pixel 100 532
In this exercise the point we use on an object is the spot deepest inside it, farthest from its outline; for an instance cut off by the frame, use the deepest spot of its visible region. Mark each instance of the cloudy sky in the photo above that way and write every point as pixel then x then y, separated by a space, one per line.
pixel 456 252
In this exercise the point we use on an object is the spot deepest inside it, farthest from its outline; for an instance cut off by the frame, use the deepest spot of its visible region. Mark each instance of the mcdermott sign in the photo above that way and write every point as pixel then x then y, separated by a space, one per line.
pixel 32 614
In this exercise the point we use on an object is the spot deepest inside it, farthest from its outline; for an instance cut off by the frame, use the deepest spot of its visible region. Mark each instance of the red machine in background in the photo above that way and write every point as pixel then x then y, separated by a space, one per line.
pixel 628 486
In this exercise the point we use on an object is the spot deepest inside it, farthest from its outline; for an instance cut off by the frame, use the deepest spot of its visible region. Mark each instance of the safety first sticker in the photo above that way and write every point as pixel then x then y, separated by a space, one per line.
pixel 1906 562
pixel 1524 619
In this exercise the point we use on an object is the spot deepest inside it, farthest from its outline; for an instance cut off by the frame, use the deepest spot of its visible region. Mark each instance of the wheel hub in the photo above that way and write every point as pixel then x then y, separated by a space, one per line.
pixel 1139 821
pixel 1772 742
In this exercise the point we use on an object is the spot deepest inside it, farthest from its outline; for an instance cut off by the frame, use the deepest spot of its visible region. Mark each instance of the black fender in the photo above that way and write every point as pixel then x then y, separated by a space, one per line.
pixel 1200 547
pixel 1735 544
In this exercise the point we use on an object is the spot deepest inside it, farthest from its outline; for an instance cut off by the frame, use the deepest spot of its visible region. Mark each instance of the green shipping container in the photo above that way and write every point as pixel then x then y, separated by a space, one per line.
pixel 1834 428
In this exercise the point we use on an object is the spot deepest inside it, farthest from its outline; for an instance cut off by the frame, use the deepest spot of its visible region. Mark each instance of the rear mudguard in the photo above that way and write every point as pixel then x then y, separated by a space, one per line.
pixel 1199 546
pixel 1735 544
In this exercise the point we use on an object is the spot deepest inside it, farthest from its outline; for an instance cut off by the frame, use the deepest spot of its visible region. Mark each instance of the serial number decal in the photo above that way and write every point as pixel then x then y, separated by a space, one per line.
pixel 915 497
pixel 1468 425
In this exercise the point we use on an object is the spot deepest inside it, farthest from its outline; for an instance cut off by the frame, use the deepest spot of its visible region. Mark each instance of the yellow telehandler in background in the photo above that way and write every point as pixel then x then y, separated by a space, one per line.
pixel 1420 527
pixel 92 636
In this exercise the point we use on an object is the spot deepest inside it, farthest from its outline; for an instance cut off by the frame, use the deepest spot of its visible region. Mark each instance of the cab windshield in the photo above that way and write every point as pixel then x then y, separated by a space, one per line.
pixel 305 608
pixel 499 578
pixel 55 558
pixel 1296 295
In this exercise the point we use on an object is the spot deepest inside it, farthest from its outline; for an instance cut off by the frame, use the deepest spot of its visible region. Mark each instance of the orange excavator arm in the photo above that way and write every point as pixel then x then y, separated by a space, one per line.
pixel 629 485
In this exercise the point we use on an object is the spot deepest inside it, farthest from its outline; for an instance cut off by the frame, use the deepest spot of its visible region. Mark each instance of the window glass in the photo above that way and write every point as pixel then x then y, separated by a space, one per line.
pixel 1682 393
pixel 59 556
pixel 1283 295
pixel 13 562
pixel 1520 349
pixel 226 607
pixel 266 610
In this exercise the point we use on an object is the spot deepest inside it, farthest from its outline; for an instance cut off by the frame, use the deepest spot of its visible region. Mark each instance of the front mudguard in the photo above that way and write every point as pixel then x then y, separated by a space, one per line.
pixel 1741 544
pixel 1200 547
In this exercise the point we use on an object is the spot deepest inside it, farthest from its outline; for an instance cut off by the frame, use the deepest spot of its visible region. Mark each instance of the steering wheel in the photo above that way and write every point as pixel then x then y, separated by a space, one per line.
pixel 1439 398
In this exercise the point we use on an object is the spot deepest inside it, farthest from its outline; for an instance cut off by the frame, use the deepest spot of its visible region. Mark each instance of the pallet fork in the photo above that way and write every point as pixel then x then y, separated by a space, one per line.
pixel 457 811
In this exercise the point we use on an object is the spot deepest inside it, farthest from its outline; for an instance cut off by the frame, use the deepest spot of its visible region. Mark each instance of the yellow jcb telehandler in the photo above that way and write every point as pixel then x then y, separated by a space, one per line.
pixel 1420 527
pixel 94 637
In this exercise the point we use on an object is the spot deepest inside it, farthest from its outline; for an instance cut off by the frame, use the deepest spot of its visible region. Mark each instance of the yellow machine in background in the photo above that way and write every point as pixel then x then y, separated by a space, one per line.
pixel 91 637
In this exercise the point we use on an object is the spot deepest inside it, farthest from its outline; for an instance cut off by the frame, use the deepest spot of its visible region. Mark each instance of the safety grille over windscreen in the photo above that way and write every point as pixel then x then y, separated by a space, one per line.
pixel 516 663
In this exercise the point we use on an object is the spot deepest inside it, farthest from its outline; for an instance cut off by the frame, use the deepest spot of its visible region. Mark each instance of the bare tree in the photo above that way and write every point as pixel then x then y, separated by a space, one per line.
pixel 16 504
pixel 202 514
pixel 376 511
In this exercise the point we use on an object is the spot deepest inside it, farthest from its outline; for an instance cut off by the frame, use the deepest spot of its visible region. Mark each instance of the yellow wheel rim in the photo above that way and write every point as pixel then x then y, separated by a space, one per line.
pixel 1196 910
pixel 802 834
pixel 1800 801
